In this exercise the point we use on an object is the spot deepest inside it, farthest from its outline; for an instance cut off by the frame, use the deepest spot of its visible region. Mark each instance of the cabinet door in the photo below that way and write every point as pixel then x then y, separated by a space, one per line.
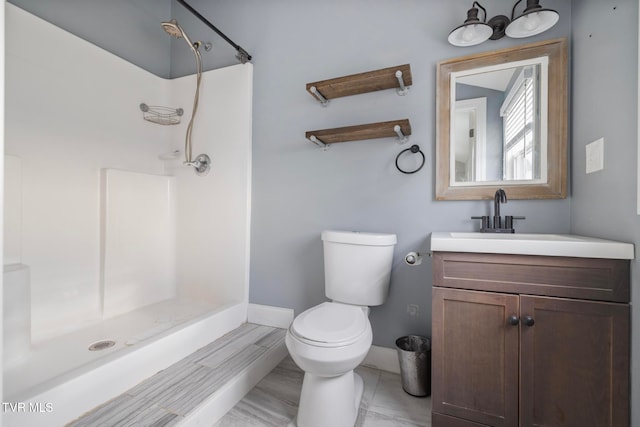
pixel 575 363
pixel 475 356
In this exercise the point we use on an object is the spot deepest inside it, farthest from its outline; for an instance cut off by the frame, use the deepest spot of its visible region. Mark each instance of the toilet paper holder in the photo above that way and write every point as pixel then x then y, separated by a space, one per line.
pixel 413 258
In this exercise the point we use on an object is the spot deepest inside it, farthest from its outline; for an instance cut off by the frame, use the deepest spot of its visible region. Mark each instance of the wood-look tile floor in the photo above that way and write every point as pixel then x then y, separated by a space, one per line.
pixel 274 401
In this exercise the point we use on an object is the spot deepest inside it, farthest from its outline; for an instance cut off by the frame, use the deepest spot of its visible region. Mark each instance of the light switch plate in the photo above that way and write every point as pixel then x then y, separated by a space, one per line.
pixel 595 156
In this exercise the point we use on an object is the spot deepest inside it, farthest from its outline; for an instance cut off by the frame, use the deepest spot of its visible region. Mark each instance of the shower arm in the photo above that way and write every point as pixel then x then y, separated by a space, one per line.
pixel 242 55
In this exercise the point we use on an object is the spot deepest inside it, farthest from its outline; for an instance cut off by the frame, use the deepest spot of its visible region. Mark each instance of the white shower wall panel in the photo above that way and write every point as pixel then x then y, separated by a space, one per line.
pixel 71 110
pixel 214 211
pixel 12 217
pixel 138 240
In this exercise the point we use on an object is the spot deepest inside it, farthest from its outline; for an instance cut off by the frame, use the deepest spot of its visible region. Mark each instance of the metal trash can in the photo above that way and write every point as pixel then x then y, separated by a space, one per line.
pixel 414 355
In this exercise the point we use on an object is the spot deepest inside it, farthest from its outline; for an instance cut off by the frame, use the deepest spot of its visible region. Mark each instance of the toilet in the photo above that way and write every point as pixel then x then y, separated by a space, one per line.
pixel 330 340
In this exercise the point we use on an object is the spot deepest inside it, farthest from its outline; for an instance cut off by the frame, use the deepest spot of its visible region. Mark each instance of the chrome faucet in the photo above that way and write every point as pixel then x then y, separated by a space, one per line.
pixel 496 226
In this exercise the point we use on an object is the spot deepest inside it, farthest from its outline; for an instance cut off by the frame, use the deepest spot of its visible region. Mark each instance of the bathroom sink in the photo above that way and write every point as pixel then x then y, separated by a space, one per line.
pixel 569 245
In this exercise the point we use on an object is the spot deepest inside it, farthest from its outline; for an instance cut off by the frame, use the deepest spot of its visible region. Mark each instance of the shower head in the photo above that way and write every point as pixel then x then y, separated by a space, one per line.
pixel 172 28
pixel 175 30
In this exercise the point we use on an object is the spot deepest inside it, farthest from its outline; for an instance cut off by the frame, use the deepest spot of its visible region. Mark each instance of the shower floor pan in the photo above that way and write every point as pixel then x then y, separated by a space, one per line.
pixel 66 375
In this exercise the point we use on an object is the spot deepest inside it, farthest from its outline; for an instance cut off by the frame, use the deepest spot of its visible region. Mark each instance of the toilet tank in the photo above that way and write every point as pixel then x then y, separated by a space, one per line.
pixel 357 266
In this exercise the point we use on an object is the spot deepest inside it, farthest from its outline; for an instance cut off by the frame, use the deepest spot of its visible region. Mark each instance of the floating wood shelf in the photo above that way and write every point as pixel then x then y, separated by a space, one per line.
pixel 356 84
pixel 360 132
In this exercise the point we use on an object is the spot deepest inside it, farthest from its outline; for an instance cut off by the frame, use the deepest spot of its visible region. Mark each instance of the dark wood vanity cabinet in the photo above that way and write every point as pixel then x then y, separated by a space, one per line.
pixel 529 341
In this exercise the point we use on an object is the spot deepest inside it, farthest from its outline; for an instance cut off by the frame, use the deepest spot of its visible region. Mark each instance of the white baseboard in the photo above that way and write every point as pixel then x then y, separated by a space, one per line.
pixel 276 317
pixel 383 358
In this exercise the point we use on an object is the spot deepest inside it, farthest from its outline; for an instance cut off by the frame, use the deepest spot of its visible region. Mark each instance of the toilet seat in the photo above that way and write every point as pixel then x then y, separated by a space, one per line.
pixel 330 324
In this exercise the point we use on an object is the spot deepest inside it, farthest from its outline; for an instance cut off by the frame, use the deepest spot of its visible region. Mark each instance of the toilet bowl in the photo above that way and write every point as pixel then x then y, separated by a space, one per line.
pixel 330 340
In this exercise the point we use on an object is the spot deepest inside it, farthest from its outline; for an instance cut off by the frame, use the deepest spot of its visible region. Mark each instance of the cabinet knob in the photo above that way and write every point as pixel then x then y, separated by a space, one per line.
pixel 513 320
pixel 528 320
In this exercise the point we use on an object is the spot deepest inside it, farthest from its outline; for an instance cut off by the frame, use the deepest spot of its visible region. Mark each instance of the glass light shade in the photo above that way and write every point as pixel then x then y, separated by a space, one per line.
pixel 530 24
pixel 470 34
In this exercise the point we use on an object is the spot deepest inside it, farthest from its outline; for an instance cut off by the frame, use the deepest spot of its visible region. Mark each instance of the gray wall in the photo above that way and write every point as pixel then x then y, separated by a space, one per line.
pixel 298 190
pixel 129 29
pixel 605 102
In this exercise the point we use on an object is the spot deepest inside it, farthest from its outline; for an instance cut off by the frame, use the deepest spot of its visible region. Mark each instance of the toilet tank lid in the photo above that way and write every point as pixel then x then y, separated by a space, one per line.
pixel 359 238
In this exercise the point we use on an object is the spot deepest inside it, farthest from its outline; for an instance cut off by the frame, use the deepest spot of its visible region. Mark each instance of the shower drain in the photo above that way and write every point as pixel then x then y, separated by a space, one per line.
pixel 101 345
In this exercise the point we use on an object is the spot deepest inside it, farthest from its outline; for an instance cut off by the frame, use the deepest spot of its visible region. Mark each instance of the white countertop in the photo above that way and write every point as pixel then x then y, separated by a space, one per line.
pixel 568 245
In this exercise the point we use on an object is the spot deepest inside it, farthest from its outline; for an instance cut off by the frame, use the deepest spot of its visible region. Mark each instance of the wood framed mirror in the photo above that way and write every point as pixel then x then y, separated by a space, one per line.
pixel 501 121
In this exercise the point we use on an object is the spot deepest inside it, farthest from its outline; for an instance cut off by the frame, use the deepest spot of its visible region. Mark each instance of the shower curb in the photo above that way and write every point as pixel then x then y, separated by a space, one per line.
pixel 200 388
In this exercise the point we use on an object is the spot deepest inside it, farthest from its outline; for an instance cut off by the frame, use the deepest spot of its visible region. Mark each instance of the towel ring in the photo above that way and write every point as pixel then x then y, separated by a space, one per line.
pixel 414 149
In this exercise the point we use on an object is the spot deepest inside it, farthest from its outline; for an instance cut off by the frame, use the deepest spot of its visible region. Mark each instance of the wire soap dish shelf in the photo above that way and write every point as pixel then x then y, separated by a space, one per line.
pixel 161 115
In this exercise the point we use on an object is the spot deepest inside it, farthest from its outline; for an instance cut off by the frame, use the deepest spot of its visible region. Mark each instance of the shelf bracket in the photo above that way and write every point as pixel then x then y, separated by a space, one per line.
pixel 319 143
pixel 324 101
pixel 402 138
pixel 402 89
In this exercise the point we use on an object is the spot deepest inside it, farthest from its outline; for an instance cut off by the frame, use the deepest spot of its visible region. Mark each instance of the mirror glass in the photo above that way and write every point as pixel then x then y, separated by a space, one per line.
pixel 496 123
pixel 502 123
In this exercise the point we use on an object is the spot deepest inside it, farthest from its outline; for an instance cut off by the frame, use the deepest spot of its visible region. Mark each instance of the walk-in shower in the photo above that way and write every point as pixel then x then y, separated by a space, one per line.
pixel 202 163
pixel 102 243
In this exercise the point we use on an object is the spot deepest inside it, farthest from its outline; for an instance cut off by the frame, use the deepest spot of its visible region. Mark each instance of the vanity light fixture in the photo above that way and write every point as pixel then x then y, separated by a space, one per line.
pixel 534 20
pixel 473 31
